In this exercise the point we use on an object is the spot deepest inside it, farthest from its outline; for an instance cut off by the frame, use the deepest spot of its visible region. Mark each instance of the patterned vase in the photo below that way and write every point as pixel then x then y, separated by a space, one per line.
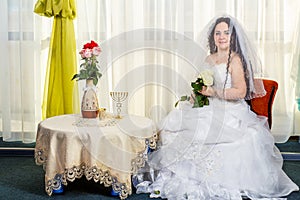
pixel 89 103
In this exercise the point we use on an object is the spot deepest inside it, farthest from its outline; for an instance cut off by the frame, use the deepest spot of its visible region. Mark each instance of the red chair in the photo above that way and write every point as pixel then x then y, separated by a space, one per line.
pixel 263 105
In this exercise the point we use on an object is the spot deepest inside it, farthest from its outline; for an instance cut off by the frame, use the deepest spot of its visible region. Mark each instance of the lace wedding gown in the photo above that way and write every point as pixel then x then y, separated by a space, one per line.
pixel 220 151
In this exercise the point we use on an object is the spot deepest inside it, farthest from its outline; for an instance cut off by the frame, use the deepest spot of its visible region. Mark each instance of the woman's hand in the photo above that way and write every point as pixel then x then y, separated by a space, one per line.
pixel 208 91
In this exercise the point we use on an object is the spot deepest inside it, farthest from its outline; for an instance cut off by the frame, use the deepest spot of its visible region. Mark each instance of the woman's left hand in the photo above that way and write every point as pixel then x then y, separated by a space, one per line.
pixel 207 91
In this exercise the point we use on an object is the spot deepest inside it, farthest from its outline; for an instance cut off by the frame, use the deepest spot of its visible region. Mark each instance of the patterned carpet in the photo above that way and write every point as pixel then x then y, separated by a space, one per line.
pixel 22 179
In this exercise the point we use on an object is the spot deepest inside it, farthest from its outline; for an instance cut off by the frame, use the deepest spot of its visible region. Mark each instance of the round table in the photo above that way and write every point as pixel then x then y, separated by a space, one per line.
pixel 108 151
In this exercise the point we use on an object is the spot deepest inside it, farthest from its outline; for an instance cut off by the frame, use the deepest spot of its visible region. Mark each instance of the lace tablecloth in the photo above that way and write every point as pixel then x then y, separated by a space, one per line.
pixel 108 151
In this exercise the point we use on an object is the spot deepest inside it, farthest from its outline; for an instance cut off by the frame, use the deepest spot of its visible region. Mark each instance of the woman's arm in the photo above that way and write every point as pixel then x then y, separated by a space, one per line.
pixel 238 84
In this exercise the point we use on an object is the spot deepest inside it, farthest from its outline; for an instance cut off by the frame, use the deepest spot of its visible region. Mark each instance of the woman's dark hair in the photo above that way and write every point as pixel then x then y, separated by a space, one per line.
pixel 234 47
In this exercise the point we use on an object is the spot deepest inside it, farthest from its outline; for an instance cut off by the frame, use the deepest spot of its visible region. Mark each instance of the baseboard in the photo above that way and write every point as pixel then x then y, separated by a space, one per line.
pixel 289 156
pixel 292 156
pixel 12 151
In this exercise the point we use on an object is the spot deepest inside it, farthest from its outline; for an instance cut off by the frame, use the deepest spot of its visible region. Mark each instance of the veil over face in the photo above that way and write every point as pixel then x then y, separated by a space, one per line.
pixel 241 45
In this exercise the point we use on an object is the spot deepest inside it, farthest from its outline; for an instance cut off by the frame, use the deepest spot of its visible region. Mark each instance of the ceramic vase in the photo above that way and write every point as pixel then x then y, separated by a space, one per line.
pixel 89 103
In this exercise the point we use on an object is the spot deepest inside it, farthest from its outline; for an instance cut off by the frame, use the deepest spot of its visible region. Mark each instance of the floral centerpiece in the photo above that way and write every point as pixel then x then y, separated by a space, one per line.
pixel 205 78
pixel 89 69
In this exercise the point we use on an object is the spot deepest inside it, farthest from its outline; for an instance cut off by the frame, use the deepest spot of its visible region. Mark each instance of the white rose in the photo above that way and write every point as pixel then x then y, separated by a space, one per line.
pixel 207 76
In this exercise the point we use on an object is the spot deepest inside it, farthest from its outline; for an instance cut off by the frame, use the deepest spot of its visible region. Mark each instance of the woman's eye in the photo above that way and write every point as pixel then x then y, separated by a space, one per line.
pixel 227 32
pixel 218 33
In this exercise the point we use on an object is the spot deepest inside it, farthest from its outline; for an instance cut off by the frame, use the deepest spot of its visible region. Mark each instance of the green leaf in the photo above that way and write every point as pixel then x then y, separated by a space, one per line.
pixel 82 65
pixel 196 92
pixel 183 98
pixel 75 76
pixel 200 100
pixel 206 101
pixel 196 86
pixel 196 105
pixel 156 192
pixel 95 81
pixel 99 75
pixel 83 75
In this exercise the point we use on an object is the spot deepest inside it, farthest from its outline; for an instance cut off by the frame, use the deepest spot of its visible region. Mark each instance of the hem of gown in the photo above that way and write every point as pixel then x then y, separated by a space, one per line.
pixel 240 196
pixel 203 190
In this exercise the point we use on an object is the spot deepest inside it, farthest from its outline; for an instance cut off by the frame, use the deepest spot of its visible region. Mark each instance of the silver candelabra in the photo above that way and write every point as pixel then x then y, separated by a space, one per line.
pixel 119 98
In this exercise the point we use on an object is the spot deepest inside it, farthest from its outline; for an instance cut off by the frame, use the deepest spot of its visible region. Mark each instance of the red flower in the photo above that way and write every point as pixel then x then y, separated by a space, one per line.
pixel 89 69
pixel 90 45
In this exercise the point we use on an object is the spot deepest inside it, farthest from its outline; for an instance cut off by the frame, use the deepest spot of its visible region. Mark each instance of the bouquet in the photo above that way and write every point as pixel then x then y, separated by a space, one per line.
pixel 205 78
pixel 89 69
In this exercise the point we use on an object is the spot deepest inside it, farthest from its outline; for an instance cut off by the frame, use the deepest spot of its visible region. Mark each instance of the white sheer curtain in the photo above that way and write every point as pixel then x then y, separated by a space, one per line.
pixel 150 75
pixel 272 25
pixel 23 48
pixel 277 38
pixel 140 70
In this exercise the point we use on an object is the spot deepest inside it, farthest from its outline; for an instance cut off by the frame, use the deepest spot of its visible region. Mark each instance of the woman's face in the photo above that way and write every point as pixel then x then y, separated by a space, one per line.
pixel 222 36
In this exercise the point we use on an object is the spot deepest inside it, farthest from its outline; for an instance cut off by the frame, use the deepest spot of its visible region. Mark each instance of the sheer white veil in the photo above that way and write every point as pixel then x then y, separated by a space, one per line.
pixel 241 45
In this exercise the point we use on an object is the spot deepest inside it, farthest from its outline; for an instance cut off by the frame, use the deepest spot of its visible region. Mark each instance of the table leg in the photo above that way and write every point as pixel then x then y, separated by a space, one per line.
pixel 114 193
pixel 60 189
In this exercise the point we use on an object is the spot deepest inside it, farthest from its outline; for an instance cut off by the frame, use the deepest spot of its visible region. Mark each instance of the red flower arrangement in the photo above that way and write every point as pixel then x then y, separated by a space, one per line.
pixel 89 69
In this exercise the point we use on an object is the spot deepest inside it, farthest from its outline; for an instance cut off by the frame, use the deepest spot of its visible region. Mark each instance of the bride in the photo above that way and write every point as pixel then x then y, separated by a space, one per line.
pixel 223 150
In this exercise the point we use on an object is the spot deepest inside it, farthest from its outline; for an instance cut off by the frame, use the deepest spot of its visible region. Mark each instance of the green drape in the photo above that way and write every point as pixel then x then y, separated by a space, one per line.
pixel 60 92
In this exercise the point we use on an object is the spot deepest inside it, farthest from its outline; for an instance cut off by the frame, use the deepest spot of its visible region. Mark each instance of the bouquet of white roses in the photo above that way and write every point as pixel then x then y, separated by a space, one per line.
pixel 205 78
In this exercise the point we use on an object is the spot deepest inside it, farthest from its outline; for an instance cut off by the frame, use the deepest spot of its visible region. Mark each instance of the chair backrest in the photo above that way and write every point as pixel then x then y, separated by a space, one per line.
pixel 263 105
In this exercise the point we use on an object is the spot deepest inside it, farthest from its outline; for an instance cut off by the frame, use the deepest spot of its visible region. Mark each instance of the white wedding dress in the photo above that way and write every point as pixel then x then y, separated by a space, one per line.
pixel 219 151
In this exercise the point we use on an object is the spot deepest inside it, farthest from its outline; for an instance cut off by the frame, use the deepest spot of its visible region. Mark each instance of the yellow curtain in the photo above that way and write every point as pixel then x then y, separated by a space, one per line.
pixel 60 92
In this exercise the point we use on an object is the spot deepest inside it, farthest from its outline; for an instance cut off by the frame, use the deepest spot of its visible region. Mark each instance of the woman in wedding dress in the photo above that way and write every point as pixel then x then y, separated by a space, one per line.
pixel 223 150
